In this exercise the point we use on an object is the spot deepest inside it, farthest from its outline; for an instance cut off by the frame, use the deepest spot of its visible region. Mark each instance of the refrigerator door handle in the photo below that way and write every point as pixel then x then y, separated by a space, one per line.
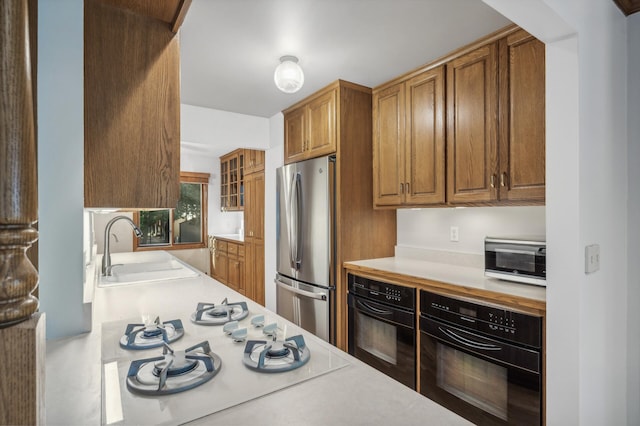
pixel 318 296
pixel 295 236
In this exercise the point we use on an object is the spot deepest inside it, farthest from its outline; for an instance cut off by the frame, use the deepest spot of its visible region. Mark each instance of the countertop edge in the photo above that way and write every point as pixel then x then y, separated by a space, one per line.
pixel 456 289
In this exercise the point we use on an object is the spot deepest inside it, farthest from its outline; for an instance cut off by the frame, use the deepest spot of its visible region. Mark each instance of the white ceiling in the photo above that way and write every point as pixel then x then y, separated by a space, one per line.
pixel 230 48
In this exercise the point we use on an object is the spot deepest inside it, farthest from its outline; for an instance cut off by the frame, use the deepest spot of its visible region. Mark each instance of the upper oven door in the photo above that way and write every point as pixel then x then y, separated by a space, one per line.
pixel 477 377
pixel 383 337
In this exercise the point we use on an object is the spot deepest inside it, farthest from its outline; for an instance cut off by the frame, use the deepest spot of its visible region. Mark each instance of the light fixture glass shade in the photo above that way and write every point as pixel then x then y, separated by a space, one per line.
pixel 289 76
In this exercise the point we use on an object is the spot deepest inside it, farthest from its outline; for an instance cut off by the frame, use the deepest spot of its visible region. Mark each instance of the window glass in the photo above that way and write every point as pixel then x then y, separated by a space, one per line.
pixel 187 221
pixel 154 225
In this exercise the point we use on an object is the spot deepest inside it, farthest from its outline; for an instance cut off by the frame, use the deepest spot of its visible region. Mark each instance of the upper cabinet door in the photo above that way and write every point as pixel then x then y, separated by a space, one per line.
pixel 321 122
pixel 522 116
pixel 425 139
pixel 472 126
pixel 295 135
pixel 388 146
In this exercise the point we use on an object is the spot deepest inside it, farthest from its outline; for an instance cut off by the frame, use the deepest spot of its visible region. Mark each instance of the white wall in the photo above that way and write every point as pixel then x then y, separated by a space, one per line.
pixel 633 229
pixel 586 204
pixel 274 159
pixel 60 166
pixel 206 134
pixel 429 228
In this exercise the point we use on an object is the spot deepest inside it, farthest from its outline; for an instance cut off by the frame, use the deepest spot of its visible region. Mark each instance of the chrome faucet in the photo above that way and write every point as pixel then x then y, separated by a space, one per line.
pixel 106 255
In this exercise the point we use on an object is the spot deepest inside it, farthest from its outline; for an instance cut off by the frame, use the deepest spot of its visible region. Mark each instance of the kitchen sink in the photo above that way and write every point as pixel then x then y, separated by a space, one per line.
pixel 128 269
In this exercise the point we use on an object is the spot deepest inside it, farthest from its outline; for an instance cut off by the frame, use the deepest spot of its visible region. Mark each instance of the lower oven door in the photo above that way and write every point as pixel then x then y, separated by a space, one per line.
pixel 384 337
pixel 483 380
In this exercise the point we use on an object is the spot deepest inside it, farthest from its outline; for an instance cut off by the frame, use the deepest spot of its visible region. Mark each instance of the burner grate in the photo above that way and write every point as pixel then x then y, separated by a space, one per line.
pixel 148 336
pixel 212 314
pixel 276 356
pixel 174 371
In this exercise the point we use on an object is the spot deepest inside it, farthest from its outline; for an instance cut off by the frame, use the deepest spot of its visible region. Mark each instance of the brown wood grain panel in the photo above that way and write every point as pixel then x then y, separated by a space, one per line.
pixel 321 122
pixel 472 101
pixel 362 232
pixel 628 7
pixel 388 146
pixel 18 173
pixel 22 369
pixel 163 10
pixel 132 115
pixel 522 118
pixel 425 152
pixel 254 236
pixel 295 135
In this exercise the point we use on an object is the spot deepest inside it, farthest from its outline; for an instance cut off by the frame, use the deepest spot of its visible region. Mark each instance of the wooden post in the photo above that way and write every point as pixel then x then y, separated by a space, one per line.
pixel 18 172
pixel 22 336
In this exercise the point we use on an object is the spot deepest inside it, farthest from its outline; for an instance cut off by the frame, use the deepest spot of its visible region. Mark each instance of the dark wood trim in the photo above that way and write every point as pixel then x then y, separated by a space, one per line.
pixel 181 13
pixel 628 7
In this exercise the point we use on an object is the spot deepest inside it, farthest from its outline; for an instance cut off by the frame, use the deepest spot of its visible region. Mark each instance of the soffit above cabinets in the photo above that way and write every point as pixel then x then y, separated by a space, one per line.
pixel 628 7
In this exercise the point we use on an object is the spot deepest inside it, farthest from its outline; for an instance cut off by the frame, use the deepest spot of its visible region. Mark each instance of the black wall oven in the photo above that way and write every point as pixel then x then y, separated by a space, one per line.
pixel 382 327
pixel 483 362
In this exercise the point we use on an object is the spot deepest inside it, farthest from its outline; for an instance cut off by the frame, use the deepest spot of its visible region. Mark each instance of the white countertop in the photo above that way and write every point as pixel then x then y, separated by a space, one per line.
pixel 465 276
pixel 353 394
pixel 234 237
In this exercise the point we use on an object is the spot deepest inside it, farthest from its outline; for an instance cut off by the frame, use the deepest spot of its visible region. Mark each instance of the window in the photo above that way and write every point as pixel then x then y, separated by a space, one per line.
pixel 184 227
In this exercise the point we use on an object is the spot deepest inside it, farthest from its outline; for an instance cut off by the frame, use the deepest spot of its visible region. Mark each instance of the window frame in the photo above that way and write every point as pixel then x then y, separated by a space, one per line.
pixel 185 177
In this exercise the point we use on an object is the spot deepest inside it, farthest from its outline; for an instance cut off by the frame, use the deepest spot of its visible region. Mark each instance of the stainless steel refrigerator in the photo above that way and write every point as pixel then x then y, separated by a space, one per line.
pixel 306 270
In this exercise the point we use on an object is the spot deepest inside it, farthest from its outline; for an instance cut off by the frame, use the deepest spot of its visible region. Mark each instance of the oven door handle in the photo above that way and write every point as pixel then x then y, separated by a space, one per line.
pixel 467 342
pixel 371 309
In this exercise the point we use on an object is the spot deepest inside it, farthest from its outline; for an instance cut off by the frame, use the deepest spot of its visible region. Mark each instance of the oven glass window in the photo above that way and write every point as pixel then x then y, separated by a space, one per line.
pixel 518 261
pixel 473 380
pixel 377 338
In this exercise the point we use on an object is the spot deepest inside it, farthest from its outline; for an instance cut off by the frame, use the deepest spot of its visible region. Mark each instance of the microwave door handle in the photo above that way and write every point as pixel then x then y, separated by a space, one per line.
pixel 515 251
pixel 467 342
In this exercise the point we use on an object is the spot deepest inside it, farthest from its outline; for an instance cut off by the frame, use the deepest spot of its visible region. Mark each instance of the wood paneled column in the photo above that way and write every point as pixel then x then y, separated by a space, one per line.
pixel 22 347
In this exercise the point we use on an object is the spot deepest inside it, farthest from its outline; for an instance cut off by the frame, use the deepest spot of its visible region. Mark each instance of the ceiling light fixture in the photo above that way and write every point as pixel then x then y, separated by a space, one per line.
pixel 289 77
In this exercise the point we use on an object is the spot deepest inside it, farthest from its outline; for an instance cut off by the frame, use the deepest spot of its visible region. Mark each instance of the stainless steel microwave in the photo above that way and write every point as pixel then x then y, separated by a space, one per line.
pixel 521 260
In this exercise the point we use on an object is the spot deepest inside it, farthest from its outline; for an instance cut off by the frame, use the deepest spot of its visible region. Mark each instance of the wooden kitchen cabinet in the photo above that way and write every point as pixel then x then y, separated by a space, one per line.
pixel 493 150
pixel 496 122
pixel 254 237
pixel 409 141
pixel 132 104
pixel 522 118
pixel 232 181
pixel 234 166
pixel 310 126
pixel 227 263
pixel 472 111
pixel 235 267
pixel 219 261
pixel 254 160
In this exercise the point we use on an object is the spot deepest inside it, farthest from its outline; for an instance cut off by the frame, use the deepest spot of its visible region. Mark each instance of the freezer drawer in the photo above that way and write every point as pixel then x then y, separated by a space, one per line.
pixel 306 306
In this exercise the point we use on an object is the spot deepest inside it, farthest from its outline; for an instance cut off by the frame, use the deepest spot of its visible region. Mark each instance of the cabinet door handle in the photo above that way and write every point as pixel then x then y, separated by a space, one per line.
pixel 407 186
pixel 503 178
pixel 493 181
pixel 402 188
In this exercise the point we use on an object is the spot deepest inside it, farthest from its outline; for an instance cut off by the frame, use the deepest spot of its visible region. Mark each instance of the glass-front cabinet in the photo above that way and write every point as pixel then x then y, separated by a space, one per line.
pixel 232 181
pixel 233 168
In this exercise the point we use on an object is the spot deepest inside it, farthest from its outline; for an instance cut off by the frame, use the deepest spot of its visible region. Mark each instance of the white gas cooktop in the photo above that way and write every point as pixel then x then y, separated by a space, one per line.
pixel 234 383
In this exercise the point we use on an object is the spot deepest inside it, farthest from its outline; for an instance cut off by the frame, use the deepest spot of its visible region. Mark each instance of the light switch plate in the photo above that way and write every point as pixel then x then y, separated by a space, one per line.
pixel 591 258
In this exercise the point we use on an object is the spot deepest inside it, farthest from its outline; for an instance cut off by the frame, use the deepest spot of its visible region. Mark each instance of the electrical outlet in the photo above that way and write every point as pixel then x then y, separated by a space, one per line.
pixel 591 258
pixel 453 234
